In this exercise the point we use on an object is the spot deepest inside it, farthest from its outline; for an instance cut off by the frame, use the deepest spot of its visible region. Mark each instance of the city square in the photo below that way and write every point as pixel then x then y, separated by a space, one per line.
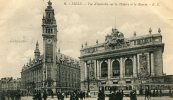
pixel 119 67
pixel 125 98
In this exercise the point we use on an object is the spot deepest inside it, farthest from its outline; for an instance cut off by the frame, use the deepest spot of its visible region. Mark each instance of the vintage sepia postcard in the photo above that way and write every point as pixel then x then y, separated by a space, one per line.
pixel 90 47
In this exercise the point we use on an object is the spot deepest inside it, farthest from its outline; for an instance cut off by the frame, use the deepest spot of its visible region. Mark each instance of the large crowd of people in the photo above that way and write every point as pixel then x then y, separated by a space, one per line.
pixel 80 95
pixel 117 95
pixel 75 95
pixel 156 93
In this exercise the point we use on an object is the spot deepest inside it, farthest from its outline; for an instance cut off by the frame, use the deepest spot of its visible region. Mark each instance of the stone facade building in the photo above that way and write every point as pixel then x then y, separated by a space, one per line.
pixel 10 84
pixel 122 63
pixel 52 70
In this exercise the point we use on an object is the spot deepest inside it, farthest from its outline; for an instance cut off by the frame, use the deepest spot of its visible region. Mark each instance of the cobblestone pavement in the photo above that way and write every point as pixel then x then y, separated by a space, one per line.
pixel 125 98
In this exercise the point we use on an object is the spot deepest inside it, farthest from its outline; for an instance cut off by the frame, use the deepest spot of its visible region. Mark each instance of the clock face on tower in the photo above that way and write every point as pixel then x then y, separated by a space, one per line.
pixel 49 41
pixel 49 50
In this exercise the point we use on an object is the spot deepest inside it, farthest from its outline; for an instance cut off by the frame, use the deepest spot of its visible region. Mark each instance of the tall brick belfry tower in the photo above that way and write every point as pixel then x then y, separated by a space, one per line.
pixel 52 70
pixel 49 34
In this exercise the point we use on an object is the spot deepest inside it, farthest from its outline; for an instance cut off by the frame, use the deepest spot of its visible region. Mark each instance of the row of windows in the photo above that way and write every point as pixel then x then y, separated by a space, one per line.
pixel 116 68
pixel 48 30
pixel 32 76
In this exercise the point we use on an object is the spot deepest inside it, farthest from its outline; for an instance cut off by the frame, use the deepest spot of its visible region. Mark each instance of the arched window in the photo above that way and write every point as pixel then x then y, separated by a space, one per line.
pixel 115 68
pixel 128 67
pixel 104 69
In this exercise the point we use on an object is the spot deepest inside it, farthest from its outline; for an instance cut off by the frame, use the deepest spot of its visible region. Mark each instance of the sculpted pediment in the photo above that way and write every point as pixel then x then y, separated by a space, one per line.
pixel 115 40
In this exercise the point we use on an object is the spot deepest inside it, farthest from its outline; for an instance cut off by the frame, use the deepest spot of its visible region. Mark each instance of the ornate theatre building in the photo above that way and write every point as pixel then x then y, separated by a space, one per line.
pixel 122 63
pixel 52 70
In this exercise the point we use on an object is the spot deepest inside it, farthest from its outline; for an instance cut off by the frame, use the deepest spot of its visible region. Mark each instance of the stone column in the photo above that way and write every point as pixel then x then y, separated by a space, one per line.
pixel 148 62
pixel 85 65
pixel 152 64
pixel 95 68
pixel 98 68
pixel 46 72
pixel 121 68
pixel 138 64
pixel 134 66
pixel 109 68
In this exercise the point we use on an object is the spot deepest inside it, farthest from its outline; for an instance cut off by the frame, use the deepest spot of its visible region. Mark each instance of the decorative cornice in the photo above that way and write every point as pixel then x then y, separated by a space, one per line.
pixel 122 52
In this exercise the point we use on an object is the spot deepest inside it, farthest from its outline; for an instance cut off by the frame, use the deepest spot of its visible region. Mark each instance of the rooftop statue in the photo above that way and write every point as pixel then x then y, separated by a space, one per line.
pixel 116 39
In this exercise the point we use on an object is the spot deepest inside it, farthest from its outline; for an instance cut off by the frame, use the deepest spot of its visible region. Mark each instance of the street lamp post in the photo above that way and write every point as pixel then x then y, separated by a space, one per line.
pixel 143 77
pixel 140 82
pixel 88 78
pixel 59 90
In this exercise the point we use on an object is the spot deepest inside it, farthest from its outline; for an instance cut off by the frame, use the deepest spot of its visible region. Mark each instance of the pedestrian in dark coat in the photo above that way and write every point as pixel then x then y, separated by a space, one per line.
pixel 154 93
pixel 160 93
pixel 147 94
pixel 118 95
pixel 73 96
pixel 39 95
pixel 101 95
pixel 111 96
pixel 157 92
pixel 80 95
pixel 133 95
pixel 52 95
pixel 114 96
pixel 34 96
pixel 62 96
pixel 59 95
pixel 170 92
pixel 83 95
pixel 44 95
pixel 122 94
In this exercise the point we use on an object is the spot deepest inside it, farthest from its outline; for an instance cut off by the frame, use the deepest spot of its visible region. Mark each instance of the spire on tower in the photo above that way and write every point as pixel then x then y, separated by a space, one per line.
pixel 37 45
pixel 37 51
pixel 49 3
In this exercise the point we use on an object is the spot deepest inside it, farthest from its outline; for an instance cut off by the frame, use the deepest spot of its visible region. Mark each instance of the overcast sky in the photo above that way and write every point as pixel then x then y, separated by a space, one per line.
pixel 20 27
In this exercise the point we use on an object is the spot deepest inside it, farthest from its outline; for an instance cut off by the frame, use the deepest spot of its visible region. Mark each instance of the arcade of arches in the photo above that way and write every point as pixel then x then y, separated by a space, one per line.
pixel 111 68
pixel 116 68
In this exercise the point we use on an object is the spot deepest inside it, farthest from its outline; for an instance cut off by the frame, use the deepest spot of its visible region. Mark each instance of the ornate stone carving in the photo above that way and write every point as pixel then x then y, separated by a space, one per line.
pixel 115 40
pixel 143 65
pixel 92 72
